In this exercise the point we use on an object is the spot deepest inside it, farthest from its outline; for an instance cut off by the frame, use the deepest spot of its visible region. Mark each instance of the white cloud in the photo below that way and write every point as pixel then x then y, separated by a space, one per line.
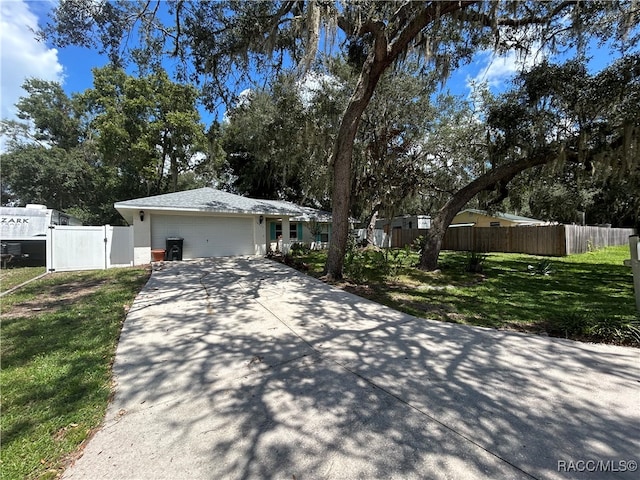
pixel 497 70
pixel 314 83
pixel 244 97
pixel 21 55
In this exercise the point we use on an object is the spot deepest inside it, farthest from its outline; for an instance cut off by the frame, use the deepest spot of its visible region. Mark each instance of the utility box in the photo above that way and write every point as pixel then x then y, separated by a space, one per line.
pixel 174 248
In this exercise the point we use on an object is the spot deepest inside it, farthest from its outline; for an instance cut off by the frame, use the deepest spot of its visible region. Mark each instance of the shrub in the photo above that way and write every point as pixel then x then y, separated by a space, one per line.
pixel 378 260
pixel 355 266
pixel 573 323
pixel 299 249
pixel 598 326
pixel 616 328
pixel 354 261
pixel 543 267
pixel 418 243
pixel 475 262
pixel 396 261
pixel 363 264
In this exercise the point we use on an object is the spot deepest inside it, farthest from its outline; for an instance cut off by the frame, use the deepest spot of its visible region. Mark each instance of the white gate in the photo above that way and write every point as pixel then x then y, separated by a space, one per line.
pixel 88 248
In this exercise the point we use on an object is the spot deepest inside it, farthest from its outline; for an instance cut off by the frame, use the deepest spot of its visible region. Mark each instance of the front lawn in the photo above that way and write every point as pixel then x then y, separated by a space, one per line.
pixel 12 277
pixel 58 341
pixel 587 296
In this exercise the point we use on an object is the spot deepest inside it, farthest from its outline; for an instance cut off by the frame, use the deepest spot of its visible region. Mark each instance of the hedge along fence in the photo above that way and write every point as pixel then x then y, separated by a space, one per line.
pixel 551 240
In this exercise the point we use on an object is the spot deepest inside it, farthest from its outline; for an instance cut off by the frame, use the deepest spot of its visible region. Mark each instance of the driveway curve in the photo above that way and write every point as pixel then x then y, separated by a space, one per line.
pixel 242 368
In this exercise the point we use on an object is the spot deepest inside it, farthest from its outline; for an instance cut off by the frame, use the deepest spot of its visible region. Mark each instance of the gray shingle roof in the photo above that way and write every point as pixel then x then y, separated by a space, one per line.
pixel 215 201
pixel 309 214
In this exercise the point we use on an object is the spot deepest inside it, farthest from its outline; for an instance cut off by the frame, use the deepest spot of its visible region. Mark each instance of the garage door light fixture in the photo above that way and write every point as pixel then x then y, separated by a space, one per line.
pixel 261 219
pixel 142 215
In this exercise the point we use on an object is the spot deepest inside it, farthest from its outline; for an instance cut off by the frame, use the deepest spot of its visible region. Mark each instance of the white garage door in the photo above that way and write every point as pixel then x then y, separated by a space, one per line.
pixel 205 236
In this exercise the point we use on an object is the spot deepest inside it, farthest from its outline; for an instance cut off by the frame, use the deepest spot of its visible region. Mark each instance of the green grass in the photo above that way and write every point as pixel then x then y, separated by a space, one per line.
pixel 587 296
pixel 58 341
pixel 12 277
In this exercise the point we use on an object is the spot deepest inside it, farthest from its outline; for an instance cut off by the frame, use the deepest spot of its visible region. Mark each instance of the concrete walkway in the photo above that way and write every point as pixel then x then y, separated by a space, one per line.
pixel 246 369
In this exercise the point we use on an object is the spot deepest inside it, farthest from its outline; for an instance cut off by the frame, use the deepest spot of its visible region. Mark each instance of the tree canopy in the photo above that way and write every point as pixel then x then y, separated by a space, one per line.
pixel 269 138
pixel 126 137
pixel 223 43
pixel 558 115
pixel 149 127
pixel 277 139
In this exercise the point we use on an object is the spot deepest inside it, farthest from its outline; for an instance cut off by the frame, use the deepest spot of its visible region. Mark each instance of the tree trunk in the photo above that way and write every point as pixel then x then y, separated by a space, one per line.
pixel 435 235
pixel 174 173
pixel 371 227
pixel 162 162
pixel 381 56
pixel 340 210
pixel 440 223
pixel 341 160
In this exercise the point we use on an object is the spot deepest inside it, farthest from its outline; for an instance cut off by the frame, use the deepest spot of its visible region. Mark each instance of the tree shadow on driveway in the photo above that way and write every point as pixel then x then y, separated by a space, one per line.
pixel 244 368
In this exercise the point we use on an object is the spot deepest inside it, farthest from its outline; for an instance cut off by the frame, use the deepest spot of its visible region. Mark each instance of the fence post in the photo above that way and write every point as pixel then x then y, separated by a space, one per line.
pixel 567 240
pixel 108 245
pixel 635 267
pixel 49 249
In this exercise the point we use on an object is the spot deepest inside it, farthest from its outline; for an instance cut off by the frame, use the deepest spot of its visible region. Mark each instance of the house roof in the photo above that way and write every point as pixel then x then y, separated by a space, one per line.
pixel 210 200
pixel 311 214
pixel 505 216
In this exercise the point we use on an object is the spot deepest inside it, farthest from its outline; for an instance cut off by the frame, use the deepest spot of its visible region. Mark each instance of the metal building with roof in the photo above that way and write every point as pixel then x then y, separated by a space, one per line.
pixel 481 218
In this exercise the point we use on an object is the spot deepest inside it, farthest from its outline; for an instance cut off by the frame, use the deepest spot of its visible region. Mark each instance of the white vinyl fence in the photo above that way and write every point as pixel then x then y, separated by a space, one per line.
pixel 634 263
pixel 380 239
pixel 88 248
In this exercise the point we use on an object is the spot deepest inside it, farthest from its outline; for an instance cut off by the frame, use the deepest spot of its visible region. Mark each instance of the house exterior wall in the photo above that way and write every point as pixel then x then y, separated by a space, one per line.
pixel 259 235
pixel 240 234
pixel 296 230
pixel 320 241
pixel 142 239
pixel 407 222
pixel 205 235
pixel 302 233
pixel 286 235
pixel 213 223
pixel 480 220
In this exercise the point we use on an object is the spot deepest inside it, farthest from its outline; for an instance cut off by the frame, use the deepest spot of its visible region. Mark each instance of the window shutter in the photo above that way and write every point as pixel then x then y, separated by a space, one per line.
pixel 272 231
pixel 299 231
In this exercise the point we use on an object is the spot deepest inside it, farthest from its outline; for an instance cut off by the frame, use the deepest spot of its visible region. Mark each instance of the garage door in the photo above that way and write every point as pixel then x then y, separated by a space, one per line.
pixel 205 236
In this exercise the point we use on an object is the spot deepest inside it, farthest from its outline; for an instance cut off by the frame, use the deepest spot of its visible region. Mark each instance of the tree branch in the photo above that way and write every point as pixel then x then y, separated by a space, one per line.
pixel 488 21
pixel 421 20
pixel 176 50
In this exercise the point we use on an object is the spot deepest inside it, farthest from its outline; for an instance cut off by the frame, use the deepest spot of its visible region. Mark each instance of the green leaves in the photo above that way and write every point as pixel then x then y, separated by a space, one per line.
pixel 44 175
pixel 148 127
pixel 274 144
pixel 587 123
pixel 55 116
pixel 126 137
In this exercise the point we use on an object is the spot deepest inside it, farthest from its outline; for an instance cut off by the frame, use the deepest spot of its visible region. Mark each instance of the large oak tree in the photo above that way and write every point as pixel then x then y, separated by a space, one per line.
pixel 559 114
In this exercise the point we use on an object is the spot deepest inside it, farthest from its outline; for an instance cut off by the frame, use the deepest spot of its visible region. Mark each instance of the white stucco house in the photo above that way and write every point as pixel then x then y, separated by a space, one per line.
pixel 213 223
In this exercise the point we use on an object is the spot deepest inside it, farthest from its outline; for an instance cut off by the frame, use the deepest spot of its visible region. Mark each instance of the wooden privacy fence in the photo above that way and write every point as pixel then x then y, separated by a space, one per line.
pixel 582 239
pixel 552 240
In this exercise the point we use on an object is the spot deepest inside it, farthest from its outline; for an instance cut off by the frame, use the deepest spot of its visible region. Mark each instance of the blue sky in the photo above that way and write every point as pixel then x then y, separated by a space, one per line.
pixel 21 56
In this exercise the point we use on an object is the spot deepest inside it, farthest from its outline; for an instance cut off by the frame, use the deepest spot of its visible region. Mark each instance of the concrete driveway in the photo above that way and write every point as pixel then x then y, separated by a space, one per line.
pixel 244 368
